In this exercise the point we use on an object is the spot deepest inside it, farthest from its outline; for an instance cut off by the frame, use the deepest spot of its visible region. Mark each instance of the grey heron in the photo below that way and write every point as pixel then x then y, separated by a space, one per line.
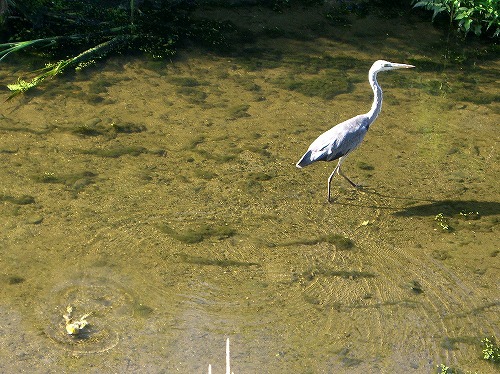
pixel 342 139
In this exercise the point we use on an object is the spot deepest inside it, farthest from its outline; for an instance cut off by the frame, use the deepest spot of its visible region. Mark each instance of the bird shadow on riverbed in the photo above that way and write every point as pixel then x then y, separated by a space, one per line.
pixel 427 207
pixel 451 207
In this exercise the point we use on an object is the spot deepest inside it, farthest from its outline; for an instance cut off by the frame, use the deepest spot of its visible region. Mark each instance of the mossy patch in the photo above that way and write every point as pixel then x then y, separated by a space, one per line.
pixel 197 234
pixel 190 88
pixel 364 166
pixel 74 181
pixel 238 111
pixel 204 174
pixel 192 94
pixel 96 127
pixel 142 310
pixel 186 81
pixel 115 152
pixel 21 200
pixel 197 260
pixel 66 179
pixel 14 279
pixel 325 86
pixel 340 242
pixel 345 274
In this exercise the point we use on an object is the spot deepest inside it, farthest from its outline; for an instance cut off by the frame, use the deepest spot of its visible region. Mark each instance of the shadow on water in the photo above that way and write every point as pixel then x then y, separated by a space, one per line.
pixel 428 207
pixel 451 207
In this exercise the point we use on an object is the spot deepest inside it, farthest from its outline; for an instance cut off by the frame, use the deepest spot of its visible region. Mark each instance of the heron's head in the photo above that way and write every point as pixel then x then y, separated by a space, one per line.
pixel 382 65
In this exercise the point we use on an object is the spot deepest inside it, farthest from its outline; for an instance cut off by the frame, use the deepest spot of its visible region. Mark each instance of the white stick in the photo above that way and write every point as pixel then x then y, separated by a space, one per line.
pixel 228 364
pixel 209 369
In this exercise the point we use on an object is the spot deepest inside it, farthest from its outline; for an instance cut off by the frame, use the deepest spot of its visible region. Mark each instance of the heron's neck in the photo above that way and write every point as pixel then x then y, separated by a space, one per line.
pixel 377 99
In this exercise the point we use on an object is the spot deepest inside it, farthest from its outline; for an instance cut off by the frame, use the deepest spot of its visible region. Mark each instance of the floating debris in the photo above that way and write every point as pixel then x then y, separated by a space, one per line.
pixel 74 327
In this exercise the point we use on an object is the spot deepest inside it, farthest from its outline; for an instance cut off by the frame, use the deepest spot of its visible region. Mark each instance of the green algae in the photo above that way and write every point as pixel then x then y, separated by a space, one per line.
pixel 197 234
pixel 21 200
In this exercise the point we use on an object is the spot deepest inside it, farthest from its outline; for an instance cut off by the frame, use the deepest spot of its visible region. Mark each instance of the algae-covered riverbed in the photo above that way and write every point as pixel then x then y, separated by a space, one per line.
pixel 163 197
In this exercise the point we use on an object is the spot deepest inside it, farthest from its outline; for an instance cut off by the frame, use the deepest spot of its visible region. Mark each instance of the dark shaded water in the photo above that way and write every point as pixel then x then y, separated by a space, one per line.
pixel 164 198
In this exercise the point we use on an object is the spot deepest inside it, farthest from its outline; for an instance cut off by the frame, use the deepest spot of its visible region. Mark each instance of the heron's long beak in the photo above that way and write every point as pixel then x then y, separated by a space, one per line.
pixel 401 66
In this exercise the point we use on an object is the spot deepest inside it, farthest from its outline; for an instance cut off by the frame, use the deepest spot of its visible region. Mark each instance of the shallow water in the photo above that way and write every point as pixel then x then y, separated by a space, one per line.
pixel 164 198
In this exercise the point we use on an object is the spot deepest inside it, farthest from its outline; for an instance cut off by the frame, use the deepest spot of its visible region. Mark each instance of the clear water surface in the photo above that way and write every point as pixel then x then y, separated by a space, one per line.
pixel 163 197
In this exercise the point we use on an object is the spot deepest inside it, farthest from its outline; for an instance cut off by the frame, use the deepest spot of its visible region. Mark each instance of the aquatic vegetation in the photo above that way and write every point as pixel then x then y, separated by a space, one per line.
pixel 303 63
pixel 340 242
pixel 195 235
pixel 325 86
pixel 219 157
pixel 255 58
pixel 364 166
pixel 443 369
pixel 115 152
pixel 491 351
pixel 197 260
pixel 204 174
pixel 22 200
pixel 127 127
pixel 260 176
pixel 75 326
pixel 66 179
pixel 14 279
pixel 239 111
pixel 345 274
pixel 469 215
pixel 440 255
pixel 192 95
pixel 416 287
pixel 443 222
pixel 186 81
pixel 193 143
pixel 260 149
pixel 142 310
pixel 101 85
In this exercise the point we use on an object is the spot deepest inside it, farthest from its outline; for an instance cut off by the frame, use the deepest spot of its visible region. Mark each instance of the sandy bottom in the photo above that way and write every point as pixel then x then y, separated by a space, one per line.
pixel 163 197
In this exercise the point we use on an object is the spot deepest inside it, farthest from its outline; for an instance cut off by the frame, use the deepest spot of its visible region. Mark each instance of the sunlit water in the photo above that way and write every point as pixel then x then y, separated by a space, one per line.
pixel 164 198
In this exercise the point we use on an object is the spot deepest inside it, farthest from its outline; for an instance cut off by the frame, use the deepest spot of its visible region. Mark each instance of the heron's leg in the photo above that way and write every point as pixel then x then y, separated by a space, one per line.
pixel 339 171
pixel 337 168
pixel 347 179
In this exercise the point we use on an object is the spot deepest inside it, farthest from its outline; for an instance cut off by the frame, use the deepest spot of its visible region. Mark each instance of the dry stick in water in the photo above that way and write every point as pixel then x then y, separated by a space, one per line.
pixel 228 360
pixel 228 364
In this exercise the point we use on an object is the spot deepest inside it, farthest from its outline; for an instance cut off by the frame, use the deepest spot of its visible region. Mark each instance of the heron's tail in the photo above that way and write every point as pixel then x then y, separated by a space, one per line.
pixel 305 160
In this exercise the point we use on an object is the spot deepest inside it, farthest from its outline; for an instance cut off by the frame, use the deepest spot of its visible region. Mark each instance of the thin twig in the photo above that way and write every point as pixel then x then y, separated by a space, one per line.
pixel 228 359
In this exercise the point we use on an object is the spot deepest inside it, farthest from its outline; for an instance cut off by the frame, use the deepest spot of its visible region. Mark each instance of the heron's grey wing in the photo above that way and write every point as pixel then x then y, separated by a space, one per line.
pixel 339 140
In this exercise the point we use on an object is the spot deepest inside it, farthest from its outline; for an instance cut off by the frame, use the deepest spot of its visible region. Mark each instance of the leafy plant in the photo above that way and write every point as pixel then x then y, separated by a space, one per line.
pixel 52 69
pixel 443 222
pixel 89 30
pixel 443 369
pixel 477 16
pixel 491 351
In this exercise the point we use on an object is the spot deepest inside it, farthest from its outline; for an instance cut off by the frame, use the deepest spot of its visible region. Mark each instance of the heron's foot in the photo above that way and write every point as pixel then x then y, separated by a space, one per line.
pixel 331 200
pixel 366 189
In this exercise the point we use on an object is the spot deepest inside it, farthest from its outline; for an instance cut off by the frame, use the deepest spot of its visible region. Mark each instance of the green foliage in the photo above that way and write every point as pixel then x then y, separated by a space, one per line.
pixel 92 29
pixel 478 16
pixel 491 351
pixel 23 200
pixel 443 222
pixel 443 369
pixel 197 234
